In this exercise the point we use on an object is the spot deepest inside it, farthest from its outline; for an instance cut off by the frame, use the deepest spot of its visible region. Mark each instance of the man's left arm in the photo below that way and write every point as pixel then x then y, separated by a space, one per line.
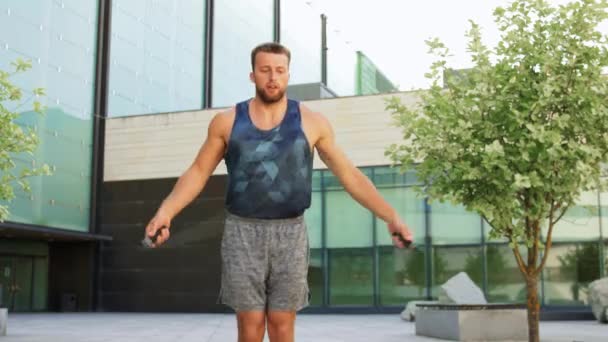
pixel 356 183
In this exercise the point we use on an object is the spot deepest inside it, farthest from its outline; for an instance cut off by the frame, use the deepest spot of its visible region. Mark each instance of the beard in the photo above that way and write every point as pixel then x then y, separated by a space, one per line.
pixel 269 99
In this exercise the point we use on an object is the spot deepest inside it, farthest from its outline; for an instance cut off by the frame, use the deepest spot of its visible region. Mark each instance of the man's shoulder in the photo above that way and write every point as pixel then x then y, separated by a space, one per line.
pixel 226 113
pixel 223 120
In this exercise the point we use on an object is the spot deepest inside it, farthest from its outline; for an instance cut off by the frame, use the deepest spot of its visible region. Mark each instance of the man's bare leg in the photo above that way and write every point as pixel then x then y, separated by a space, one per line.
pixel 281 326
pixel 251 325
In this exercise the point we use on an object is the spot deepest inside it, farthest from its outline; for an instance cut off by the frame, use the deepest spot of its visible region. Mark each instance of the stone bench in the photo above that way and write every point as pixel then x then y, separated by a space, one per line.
pixel 473 322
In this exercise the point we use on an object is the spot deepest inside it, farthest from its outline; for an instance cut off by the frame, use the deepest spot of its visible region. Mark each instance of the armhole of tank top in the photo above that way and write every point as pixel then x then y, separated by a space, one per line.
pixel 311 149
pixel 236 117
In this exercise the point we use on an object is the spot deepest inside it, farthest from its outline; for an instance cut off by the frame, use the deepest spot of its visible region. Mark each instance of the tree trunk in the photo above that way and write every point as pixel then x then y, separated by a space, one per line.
pixel 533 308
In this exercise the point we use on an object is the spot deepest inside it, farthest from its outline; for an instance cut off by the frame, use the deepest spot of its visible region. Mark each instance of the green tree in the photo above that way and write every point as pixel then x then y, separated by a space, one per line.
pixel 521 134
pixel 15 139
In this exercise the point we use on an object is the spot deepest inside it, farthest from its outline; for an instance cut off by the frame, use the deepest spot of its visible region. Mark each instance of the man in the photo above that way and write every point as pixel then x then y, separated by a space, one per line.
pixel 268 144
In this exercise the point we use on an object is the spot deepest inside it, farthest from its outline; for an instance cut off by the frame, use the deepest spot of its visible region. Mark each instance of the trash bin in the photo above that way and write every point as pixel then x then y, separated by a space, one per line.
pixel 69 302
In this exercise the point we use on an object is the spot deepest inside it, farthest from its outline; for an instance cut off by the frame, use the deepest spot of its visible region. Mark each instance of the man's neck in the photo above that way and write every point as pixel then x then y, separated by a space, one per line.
pixel 269 110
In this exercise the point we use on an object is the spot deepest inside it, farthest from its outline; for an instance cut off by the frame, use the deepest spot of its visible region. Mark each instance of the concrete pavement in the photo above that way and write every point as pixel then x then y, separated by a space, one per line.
pixel 165 327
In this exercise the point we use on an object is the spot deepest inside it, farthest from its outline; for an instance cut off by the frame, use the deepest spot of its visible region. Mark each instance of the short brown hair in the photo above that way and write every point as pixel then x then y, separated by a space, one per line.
pixel 270 48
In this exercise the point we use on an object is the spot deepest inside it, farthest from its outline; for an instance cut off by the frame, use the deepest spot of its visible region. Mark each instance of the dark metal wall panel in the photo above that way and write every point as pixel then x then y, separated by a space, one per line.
pixel 181 276
pixel 70 268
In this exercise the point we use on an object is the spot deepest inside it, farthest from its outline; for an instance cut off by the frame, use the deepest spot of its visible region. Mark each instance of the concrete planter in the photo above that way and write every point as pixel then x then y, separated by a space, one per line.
pixel 484 322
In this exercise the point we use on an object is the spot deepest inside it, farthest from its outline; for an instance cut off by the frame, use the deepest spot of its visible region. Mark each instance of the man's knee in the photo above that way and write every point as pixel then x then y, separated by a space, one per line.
pixel 281 322
pixel 251 325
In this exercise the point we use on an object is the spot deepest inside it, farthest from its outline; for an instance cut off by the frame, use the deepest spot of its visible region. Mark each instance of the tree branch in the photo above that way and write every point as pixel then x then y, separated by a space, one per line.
pixel 549 237
pixel 560 215
pixel 518 258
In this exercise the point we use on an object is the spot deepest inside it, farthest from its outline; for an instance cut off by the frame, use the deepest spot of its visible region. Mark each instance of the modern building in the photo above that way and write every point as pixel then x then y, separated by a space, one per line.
pixel 131 87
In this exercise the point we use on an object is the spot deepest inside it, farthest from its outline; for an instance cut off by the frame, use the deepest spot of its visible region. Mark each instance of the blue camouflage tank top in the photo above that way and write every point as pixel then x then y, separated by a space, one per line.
pixel 269 171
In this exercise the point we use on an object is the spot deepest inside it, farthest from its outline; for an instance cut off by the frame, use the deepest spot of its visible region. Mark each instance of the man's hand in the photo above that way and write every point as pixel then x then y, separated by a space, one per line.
pixel 159 221
pixel 397 227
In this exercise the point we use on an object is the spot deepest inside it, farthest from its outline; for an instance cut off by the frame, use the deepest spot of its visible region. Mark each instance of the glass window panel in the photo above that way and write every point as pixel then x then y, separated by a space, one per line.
pixel 315 277
pixel 402 275
pixel 239 27
pixel 301 34
pixel 581 222
pixel 410 207
pixel 451 224
pixel 351 276
pixel 60 39
pixel 348 223
pixel 6 281
pixel 505 281
pixel 157 56
pixel 316 180
pixel 451 260
pixel 568 271
pixel 341 62
pixel 331 182
pixel 23 282
pixel 313 218
pixel 370 79
pixel 41 277
pixel 391 176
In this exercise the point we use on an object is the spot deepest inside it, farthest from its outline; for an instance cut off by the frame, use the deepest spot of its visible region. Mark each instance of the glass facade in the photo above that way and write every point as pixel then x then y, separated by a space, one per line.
pixel 157 56
pixel 370 80
pixel 238 27
pixel 59 38
pixel 353 254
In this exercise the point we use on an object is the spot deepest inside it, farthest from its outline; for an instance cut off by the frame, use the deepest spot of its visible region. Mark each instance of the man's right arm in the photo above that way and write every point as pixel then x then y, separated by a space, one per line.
pixel 193 180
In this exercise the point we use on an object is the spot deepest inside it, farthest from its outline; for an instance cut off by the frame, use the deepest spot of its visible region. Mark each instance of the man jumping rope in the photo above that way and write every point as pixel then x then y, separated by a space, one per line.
pixel 268 144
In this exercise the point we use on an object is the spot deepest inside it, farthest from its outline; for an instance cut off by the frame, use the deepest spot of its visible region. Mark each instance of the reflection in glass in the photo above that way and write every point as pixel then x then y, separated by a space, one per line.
pixel 402 275
pixel 157 54
pixel 451 260
pixel 313 219
pixel 348 223
pixel 351 276
pixel 59 38
pixel 568 271
pixel 410 207
pixel 315 277
pixel 451 224
pixel 505 282
pixel 581 222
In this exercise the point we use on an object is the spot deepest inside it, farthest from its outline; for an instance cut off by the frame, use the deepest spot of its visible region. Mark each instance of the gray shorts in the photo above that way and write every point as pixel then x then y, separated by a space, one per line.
pixel 264 264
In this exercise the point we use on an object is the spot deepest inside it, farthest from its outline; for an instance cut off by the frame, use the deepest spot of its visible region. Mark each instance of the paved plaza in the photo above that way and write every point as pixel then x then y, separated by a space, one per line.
pixel 135 327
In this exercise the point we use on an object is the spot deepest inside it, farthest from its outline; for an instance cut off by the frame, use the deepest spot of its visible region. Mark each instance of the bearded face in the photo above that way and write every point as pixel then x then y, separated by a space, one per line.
pixel 270 76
